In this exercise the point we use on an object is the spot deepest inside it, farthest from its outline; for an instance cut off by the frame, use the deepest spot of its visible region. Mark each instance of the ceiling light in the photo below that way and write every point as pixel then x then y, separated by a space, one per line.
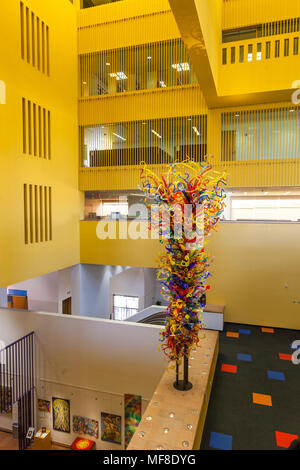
pixel 108 64
pixel 162 84
pixel 118 75
pixel 196 130
pixel 245 193
pixel 237 115
pixel 144 123
pixel 291 110
pixel 119 136
pixel 182 67
pixel 189 119
pixel 149 57
pixel 156 133
pixel 288 192
pixel 83 83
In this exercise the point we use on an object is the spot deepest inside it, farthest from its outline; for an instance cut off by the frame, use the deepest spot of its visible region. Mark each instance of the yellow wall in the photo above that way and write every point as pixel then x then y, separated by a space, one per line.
pixel 124 24
pixel 238 13
pixel 255 273
pixel 57 93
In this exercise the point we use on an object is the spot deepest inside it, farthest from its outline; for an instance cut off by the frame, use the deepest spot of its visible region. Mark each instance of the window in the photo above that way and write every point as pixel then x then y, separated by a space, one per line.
pixel 224 56
pixel 286 47
pixel 124 306
pixel 296 46
pixel 258 51
pixel 232 55
pixel 266 209
pixel 242 53
pixel 250 52
pixel 277 48
pixel 268 50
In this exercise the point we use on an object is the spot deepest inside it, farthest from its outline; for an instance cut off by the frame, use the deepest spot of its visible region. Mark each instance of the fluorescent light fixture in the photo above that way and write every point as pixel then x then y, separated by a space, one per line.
pixel 108 64
pixel 119 136
pixel 162 84
pixel 149 57
pixel 118 75
pixel 196 130
pixel 156 133
pixel 182 67
pixel 144 123
pixel 237 115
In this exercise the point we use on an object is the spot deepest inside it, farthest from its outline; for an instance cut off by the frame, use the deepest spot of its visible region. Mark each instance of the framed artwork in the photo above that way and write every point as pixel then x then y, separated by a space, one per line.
pixel 6 399
pixel 44 405
pixel 61 414
pixel 111 428
pixel 88 426
pixel 133 414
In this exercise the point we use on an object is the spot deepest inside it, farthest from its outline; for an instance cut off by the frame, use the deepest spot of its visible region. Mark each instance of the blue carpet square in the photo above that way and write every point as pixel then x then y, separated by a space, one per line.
pixel 220 441
pixel 244 332
pixel 276 375
pixel 244 357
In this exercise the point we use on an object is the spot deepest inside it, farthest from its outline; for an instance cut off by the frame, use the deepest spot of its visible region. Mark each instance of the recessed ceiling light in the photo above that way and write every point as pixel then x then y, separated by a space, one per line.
pixel 119 136
pixel 83 83
pixel 237 115
pixel 118 75
pixel 149 57
pixel 156 133
pixel 182 67
pixel 108 64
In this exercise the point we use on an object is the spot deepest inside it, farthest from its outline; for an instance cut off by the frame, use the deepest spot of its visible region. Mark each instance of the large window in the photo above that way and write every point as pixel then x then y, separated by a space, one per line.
pixel 145 67
pixel 262 134
pixel 124 306
pixel 154 142
pixel 267 206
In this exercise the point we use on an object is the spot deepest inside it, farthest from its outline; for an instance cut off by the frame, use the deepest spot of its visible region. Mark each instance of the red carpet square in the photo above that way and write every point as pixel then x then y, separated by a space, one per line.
pixel 232 334
pixel 285 357
pixel 229 368
pixel 267 330
pixel 284 439
pixel 260 399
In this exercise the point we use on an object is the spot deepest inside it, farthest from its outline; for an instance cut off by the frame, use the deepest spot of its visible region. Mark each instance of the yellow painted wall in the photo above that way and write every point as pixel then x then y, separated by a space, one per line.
pixel 238 13
pixel 255 272
pixel 124 24
pixel 210 18
pixel 57 93
pixel 159 103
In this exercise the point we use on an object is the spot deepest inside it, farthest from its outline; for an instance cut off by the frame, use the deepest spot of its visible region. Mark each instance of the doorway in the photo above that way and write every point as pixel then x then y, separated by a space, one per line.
pixel 67 306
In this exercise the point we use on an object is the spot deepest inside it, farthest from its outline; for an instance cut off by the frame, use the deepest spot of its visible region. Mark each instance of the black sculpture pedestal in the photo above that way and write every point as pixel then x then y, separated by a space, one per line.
pixel 183 385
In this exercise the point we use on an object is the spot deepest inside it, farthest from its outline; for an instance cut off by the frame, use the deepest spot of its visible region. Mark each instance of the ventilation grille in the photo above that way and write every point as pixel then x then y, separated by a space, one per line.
pixel 37 213
pixel 36 130
pixel 34 40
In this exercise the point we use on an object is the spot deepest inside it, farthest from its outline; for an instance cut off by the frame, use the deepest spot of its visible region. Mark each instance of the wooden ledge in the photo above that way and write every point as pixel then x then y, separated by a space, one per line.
pixel 158 429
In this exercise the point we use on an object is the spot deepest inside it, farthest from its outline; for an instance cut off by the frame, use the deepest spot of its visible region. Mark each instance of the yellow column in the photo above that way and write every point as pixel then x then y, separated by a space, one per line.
pixel 214 133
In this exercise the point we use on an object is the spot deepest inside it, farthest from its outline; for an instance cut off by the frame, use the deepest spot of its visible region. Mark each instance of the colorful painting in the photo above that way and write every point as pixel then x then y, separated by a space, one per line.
pixel 61 414
pixel 44 405
pixel 111 428
pixel 133 414
pixel 88 426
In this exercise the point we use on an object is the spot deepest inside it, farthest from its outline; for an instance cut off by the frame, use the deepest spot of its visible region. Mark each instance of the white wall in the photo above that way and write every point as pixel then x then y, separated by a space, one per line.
pixel 89 358
pixel 129 282
pixel 42 292
pixel 95 289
